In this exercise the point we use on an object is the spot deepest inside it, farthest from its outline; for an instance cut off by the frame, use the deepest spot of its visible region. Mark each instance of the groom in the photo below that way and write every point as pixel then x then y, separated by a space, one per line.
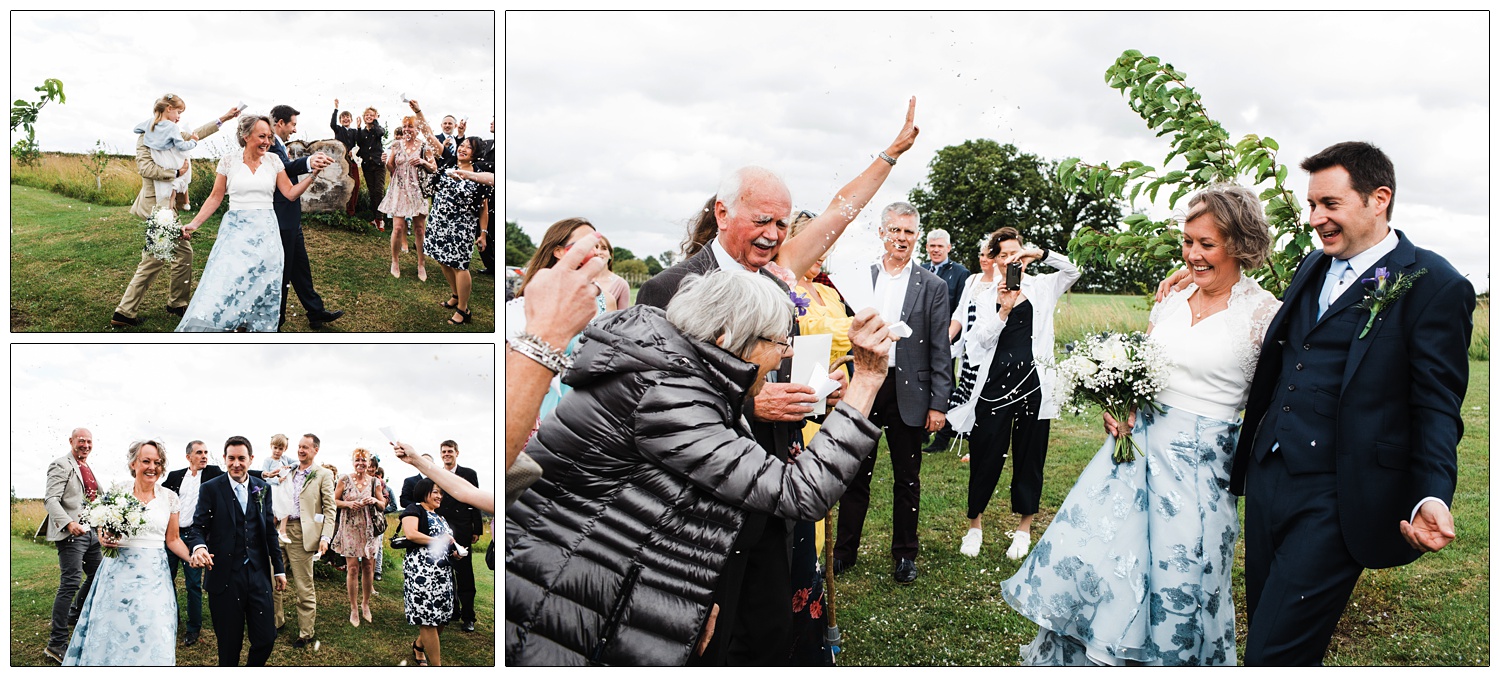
pixel 234 536
pixel 296 270
pixel 1348 453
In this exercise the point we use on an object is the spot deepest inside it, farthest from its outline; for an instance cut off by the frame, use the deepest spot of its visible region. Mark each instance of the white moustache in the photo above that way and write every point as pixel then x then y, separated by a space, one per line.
pixel 763 242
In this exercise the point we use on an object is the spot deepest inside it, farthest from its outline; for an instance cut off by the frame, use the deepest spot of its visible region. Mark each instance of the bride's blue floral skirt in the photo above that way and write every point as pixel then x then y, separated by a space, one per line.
pixel 241 283
pixel 130 615
pixel 1135 568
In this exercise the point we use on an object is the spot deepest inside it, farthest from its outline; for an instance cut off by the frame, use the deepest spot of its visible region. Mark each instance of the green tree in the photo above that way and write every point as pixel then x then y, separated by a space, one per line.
pixel 97 162
pixel 518 245
pixel 631 267
pixel 23 115
pixel 623 254
pixel 1159 94
pixel 668 258
pixel 652 265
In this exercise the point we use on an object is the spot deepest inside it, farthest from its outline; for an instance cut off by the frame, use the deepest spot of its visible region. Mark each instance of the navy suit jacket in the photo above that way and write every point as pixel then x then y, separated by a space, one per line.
pixel 219 525
pixel 288 212
pixel 1398 415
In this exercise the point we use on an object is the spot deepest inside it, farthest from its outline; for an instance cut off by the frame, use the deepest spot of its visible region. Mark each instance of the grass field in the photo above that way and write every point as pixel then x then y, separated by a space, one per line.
pixel 385 642
pixel 71 260
pixel 1433 612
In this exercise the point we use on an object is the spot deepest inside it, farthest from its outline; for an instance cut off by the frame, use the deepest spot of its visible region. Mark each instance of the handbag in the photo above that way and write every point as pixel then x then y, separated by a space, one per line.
pixel 377 522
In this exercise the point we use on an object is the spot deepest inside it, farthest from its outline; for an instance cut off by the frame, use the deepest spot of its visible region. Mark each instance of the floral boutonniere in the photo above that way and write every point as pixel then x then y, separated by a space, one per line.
pixel 1387 291
pixel 257 493
pixel 801 302
pixel 310 473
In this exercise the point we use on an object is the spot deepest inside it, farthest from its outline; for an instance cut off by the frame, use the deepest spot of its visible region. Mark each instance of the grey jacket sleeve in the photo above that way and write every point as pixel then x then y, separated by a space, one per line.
pixel 681 429
pixel 57 483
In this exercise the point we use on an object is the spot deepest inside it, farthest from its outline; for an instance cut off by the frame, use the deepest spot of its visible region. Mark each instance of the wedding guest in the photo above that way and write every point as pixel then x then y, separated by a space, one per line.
pixel 702 229
pixel 185 483
pixel 390 506
pixel 371 141
pixel 404 202
pixel 428 571
pixel 274 470
pixel 70 485
pixel 169 146
pixel 1013 399
pixel 180 289
pixel 409 493
pixel 468 525
pixel 310 526
pixel 360 501
pixel 459 209
pixel 658 406
pixel 130 615
pixel 448 141
pixel 979 285
pixel 296 268
pixel 610 283
pixel 342 124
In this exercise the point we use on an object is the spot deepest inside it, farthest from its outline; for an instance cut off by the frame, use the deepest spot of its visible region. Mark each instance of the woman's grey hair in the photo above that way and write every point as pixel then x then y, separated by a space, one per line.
pixel 732 185
pixel 738 305
pixel 247 123
pixel 895 209
pixel 135 452
pixel 1241 219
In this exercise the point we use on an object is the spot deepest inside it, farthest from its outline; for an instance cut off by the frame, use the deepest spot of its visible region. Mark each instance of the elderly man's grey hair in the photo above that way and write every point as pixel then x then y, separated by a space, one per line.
pixel 938 234
pixel 896 209
pixel 135 452
pixel 739 305
pixel 732 185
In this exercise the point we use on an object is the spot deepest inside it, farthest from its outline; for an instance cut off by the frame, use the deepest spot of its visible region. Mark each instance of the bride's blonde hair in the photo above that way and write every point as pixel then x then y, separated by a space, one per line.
pixel 165 103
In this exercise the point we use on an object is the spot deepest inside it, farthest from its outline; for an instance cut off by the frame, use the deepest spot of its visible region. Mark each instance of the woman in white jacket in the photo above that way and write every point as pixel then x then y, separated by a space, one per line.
pixel 1012 404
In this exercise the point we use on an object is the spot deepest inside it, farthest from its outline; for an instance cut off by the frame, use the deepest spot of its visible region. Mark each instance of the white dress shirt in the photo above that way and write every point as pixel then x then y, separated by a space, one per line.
pixel 890 293
pixel 188 493
pixel 725 260
pixel 1358 263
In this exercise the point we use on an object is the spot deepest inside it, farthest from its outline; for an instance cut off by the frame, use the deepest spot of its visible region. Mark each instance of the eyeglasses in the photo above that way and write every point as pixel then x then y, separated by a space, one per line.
pixel 804 214
pixel 785 344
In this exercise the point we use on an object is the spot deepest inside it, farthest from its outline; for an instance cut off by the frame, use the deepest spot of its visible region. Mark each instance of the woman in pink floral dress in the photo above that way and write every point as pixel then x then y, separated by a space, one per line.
pixel 360 501
pixel 404 202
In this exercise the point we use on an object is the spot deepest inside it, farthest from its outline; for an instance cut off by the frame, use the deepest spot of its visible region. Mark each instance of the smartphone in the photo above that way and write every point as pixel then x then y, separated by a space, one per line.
pixel 1012 276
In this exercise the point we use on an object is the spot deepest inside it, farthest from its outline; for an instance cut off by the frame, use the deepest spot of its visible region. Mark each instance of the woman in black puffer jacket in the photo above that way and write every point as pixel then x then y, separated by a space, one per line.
pixel 649 467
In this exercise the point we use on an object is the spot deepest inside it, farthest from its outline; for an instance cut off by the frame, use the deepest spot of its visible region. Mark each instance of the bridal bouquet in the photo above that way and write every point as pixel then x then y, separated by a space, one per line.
pixel 162 233
pixel 1118 372
pixel 116 511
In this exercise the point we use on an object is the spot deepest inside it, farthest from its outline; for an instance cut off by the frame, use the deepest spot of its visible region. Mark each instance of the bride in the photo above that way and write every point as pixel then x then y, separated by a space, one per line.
pixel 241 285
pixel 130 615
pixel 1135 568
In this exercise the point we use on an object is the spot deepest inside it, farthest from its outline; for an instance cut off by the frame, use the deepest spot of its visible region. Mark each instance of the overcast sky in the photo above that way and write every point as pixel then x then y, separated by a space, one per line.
pixel 342 393
pixel 632 119
pixel 114 66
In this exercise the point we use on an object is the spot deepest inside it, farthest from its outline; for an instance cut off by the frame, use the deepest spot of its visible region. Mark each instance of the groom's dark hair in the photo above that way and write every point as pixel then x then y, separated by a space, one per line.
pixel 284 113
pixel 1369 168
pixel 238 439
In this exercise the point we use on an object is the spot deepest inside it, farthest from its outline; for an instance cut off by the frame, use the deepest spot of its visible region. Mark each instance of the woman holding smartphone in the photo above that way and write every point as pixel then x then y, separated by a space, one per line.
pixel 1011 342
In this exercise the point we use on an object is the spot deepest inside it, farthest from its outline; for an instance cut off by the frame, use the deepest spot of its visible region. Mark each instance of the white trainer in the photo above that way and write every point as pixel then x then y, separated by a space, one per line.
pixel 1020 542
pixel 970 544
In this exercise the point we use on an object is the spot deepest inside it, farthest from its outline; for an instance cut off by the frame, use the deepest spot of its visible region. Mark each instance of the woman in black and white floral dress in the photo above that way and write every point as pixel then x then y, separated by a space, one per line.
pixel 460 207
pixel 428 589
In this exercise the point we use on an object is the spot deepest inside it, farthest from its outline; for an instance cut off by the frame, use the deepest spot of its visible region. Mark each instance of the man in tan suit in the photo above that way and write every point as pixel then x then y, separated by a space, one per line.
pixel 310 527
pixel 146 203
pixel 70 484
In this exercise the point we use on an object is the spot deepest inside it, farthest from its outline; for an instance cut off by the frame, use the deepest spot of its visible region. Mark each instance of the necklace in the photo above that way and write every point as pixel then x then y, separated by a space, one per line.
pixel 1203 309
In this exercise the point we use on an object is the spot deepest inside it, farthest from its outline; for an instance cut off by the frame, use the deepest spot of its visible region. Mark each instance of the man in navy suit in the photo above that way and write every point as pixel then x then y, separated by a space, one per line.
pixel 297 271
pixel 234 536
pixel 1348 455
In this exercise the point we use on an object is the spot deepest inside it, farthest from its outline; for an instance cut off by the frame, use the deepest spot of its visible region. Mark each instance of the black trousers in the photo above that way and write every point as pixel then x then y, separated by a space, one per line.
pixel 487 255
pixel 297 274
pixel 244 607
pixel 1298 573
pixel 755 601
pixel 905 445
pixel 1005 420
pixel 463 583
pixel 374 172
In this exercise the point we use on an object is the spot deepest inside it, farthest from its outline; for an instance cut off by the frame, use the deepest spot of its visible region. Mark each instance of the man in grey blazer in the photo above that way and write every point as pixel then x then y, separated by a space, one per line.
pixel 914 399
pixel 70 485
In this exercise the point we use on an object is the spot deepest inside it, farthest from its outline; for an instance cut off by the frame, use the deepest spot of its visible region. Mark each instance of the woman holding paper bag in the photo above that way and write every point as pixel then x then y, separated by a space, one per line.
pixel 1012 401
pixel 649 469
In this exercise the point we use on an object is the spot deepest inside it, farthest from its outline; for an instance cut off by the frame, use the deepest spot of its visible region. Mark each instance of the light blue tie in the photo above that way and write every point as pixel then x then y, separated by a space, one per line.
pixel 239 495
pixel 1336 274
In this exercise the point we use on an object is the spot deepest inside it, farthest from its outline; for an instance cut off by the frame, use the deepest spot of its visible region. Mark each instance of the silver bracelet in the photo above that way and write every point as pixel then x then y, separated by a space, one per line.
pixel 535 348
pixel 888 158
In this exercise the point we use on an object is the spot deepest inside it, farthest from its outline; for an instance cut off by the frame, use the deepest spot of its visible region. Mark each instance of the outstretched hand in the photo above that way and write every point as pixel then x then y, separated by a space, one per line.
pixel 908 134
pixel 1432 528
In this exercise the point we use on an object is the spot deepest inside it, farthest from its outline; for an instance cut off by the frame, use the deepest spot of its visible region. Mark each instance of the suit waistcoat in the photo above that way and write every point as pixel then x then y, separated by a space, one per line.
pixel 251 530
pixel 1302 416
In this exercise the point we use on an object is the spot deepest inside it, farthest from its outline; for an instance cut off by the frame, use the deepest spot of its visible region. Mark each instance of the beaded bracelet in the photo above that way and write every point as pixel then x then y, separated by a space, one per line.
pixel 535 348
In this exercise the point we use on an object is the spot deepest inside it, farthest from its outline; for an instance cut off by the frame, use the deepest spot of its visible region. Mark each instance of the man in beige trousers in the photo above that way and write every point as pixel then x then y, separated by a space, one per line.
pixel 309 527
pixel 146 203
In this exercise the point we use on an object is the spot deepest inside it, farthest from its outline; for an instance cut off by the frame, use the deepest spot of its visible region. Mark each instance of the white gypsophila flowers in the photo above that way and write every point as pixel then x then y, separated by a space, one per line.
pixel 1117 372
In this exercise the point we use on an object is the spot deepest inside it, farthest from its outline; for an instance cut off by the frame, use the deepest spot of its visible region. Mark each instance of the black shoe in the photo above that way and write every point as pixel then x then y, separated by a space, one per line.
pixel 190 639
pixel 302 642
pixel 119 320
pixel 469 626
pixel 54 654
pixel 906 571
pixel 377 576
pixel 939 443
pixel 178 311
pixel 840 566
pixel 485 271
pixel 325 318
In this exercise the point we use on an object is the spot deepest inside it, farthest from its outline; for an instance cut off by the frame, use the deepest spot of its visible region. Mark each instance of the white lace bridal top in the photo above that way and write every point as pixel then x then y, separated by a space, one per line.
pixel 158 512
pixel 1214 360
pixel 247 189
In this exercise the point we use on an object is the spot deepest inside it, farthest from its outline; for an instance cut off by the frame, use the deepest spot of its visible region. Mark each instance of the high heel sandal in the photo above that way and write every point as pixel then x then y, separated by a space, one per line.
pixel 461 313
pixel 422 659
pixel 447 304
pixel 364 612
pixel 354 617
